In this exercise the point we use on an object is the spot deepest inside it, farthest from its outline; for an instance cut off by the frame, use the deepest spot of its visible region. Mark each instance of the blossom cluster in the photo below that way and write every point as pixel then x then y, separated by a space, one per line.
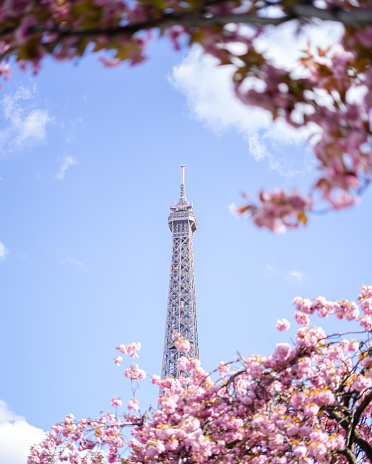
pixel 341 309
pixel 130 349
pixel 322 101
pixel 310 402
pixel 181 343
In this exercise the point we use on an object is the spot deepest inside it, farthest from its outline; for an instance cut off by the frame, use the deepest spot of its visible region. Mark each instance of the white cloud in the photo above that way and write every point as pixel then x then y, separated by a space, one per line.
pixel 16 436
pixel 295 277
pixel 25 120
pixel 269 270
pixel 233 210
pixel 3 252
pixel 210 96
pixel 75 262
pixel 67 161
pixel 284 44
pixel 256 148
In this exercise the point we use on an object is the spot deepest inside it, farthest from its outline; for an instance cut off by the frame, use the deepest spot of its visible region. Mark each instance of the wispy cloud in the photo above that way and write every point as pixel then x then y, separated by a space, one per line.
pixel 295 277
pixel 256 148
pixel 70 128
pixel 25 120
pixel 16 436
pixel 233 210
pixel 75 262
pixel 3 252
pixel 211 99
pixel 269 270
pixel 210 96
pixel 67 161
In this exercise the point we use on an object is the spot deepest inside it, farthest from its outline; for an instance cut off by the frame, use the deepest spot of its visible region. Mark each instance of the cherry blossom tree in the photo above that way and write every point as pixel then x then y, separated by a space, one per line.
pixel 316 95
pixel 309 402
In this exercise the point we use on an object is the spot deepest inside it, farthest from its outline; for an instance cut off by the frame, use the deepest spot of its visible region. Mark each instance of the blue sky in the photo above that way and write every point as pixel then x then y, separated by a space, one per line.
pixel 89 165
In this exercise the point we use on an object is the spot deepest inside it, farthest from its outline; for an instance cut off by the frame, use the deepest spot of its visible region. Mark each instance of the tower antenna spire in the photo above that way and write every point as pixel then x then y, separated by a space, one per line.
pixel 183 181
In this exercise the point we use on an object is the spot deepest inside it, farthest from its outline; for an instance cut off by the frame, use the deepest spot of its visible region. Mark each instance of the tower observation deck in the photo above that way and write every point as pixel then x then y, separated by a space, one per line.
pixel 181 307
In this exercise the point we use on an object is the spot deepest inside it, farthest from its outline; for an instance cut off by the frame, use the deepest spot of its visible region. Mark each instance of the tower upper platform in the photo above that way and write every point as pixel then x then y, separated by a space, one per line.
pixel 182 211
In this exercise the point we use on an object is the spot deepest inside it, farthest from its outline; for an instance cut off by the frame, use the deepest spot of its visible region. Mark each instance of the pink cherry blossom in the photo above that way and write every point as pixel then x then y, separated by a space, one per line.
pixel 182 344
pixel 134 372
pixel 306 402
pixel 130 349
pixel 301 318
pixel 116 402
pixel 282 324
pixel 133 404
pixel 118 360
pixel 316 95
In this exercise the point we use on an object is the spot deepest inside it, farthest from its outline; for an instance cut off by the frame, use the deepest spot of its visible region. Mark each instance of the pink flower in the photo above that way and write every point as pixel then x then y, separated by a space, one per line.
pixel 311 410
pixel 175 33
pixel 223 369
pixel 283 351
pixel 133 372
pixel 346 309
pixel 279 209
pixel 282 324
pixel 301 318
pixel 133 404
pixel 352 312
pixel 122 349
pixel 118 360
pixel 304 305
pixel 155 379
pixel 130 349
pixel 366 322
pixel 300 451
pixel 182 344
pixel 182 363
pixel 116 402
pixel 24 31
pixel 109 63
pixel 362 383
pixel 367 306
pixel 365 299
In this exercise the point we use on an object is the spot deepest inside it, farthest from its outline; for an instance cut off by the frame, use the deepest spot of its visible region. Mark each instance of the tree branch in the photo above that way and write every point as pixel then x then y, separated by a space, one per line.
pixel 363 445
pixel 197 18
pixel 366 400
pixel 350 456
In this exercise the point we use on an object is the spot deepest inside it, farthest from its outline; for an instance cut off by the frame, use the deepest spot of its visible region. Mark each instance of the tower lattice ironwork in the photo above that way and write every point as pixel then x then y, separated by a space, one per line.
pixel 181 308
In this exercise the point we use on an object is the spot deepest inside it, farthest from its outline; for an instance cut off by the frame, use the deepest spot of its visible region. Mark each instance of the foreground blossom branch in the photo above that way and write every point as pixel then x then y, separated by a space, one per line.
pixel 195 17
pixel 306 403
pixel 318 94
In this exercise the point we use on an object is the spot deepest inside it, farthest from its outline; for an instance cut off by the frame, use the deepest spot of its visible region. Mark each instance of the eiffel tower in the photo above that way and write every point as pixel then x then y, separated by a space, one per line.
pixel 181 308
